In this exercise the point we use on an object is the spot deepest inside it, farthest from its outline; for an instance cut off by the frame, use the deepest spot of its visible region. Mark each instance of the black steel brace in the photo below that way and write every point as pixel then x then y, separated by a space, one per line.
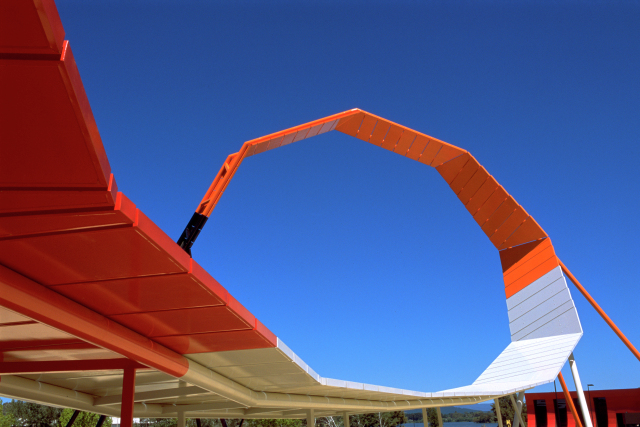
pixel 191 231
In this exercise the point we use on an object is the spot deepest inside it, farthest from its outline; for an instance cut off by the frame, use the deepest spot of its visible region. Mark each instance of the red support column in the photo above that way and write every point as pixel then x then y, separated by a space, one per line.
pixel 568 399
pixel 128 388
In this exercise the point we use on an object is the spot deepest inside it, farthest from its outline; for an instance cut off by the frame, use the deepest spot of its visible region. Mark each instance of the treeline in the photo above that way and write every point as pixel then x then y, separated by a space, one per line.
pixel 25 414
pixel 453 417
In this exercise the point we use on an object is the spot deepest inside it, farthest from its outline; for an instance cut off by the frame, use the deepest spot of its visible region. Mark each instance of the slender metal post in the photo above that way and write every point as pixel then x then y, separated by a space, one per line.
pixel 579 391
pixel 439 417
pixel 73 418
pixel 425 419
pixel 498 414
pixel 569 400
pixel 345 419
pixel 101 420
pixel 311 418
pixel 590 404
pixel 198 422
pixel 517 408
pixel 128 390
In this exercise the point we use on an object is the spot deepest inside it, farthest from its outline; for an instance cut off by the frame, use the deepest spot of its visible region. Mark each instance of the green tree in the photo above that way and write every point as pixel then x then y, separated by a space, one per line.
pixel 27 414
pixel 7 420
pixel 84 419
pixel 273 423
pixel 507 411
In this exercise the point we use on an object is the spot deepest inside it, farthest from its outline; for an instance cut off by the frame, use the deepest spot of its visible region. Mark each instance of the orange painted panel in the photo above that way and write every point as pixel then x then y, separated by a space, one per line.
pixel 30 225
pixel 489 207
pixel 216 341
pixel 261 147
pixel 302 134
pixel 51 91
pixel 31 29
pixel 184 321
pixel 379 132
pixel 430 151
pixel 366 128
pixel 140 294
pixel 474 184
pixel 404 142
pixel 33 201
pixel 481 196
pixel 533 275
pixel 275 142
pixel 315 130
pixel 350 124
pixel 288 138
pixel 394 134
pixel 529 261
pixel 251 151
pixel 465 174
pixel 529 230
pixel 511 256
pixel 499 216
pixel 446 153
pixel 417 147
pixel 452 168
pixel 509 226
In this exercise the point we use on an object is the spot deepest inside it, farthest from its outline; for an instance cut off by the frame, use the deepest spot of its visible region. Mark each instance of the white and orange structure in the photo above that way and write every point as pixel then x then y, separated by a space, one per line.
pixel 101 311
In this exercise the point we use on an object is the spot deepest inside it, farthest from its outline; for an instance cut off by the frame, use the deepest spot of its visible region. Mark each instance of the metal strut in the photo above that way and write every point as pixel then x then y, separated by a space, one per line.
pixel 191 231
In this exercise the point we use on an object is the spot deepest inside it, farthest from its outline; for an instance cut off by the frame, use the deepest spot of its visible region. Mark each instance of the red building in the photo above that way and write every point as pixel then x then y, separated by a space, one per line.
pixel 607 408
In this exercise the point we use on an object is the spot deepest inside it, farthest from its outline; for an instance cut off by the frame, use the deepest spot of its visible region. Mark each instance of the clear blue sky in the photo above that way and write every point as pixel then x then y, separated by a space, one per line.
pixel 364 262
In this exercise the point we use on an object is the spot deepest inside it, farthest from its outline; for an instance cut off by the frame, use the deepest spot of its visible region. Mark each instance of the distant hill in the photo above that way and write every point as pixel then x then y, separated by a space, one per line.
pixel 486 407
pixel 452 409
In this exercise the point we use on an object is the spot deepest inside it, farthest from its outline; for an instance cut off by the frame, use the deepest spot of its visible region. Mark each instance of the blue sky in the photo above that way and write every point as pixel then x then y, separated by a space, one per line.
pixel 364 262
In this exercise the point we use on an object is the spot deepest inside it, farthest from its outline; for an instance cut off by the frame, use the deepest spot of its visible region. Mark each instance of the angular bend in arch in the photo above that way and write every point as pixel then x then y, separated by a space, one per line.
pixel 543 320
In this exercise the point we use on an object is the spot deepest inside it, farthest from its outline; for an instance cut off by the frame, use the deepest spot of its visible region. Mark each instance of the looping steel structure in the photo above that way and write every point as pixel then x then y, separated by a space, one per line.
pixel 101 311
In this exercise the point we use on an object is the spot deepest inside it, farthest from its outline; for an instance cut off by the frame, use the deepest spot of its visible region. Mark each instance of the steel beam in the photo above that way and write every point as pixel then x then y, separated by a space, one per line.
pixel 17 368
pixel 498 414
pixel 579 391
pixel 152 395
pixel 128 390
pixel 173 409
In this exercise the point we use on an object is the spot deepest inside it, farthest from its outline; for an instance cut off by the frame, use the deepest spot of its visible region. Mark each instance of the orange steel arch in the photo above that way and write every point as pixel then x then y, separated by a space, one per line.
pixel 525 249
pixel 526 252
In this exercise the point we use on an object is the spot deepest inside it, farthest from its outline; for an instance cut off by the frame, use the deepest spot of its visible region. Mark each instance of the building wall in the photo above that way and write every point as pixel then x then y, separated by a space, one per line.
pixel 618 401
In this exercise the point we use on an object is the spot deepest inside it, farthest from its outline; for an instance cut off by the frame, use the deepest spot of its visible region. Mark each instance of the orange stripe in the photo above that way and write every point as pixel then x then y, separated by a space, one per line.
pixel 404 142
pixel 489 207
pixel 430 151
pixel 508 227
pixel 481 196
pixel 465 175
pixel 528 231
pixel 446 153
pixel 390 141
pixel 366 128
pixel 350 125
pixel 532 276
pixel 499 216
pixel 452 168
pixel 474 184
pixel 380 132
pixel 419 144
pixel 527 259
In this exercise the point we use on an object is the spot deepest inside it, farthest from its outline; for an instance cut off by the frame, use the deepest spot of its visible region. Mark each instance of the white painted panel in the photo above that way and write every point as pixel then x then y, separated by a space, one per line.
pixel 534 287
pixel 536 312
pixel 552 323
pixel 537 298
pixel 567 323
